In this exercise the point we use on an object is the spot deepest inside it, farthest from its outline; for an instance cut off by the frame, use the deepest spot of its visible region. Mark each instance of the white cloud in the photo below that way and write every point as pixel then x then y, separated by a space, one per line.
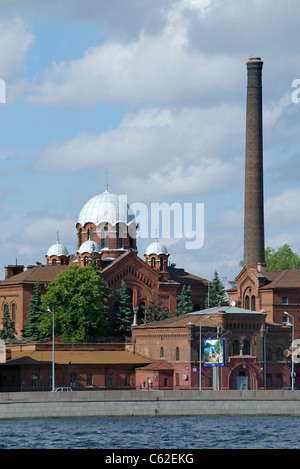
pixel 160 68
pixel 283 209
pixel 159 151
pixel 15 41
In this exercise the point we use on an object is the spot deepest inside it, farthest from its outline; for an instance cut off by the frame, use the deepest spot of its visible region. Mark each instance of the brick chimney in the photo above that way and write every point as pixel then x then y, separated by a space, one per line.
pixel 254 242
pixel 11 270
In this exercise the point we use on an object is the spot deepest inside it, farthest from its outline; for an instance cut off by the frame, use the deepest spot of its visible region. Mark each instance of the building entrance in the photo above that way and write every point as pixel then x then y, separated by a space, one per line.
pixel 242 382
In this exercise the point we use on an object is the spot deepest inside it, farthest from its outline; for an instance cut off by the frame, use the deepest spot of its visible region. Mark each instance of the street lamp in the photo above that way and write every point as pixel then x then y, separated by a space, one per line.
pixel 293 328
pixel 200 353
pixel 53 378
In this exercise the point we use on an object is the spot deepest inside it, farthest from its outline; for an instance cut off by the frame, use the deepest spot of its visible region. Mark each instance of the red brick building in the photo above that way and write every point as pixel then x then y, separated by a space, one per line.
pixel 272 292
pixel 79 366
pixel 250 362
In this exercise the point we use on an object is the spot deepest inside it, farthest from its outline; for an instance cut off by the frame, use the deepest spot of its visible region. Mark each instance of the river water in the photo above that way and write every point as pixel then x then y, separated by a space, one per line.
pixel 191 433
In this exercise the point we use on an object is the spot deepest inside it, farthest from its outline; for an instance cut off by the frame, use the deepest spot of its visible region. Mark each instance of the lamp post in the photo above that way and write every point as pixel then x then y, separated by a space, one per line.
pixel 53 377
pixel 293 328
pixel 200 353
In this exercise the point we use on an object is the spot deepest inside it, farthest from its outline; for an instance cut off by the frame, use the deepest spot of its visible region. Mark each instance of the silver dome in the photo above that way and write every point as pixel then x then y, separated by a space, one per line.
pixel 57 249
pixel 106 208
pixel 156 248
pixel 89 246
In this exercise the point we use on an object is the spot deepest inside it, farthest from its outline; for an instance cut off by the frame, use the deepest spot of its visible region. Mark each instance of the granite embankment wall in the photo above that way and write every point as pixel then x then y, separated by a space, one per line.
pixel 24 405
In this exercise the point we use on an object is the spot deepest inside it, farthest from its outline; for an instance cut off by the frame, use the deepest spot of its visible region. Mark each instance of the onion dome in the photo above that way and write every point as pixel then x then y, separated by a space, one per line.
pixel 106 208
pixel 89 246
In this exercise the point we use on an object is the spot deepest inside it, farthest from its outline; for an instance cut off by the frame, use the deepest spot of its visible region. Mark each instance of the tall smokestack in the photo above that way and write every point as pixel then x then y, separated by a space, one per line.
pixel 254 243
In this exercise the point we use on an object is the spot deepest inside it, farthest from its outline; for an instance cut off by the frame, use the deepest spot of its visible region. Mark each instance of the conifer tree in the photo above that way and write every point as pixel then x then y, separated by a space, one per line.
pixel 31 328
pixel 184 301
pixel 8 332
pixel 123 315
pixel 155 310
pixel 216 294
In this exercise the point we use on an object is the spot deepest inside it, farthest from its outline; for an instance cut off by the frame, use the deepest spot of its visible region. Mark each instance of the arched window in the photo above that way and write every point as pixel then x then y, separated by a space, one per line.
pixel 177 353
pixel 119 239
pixel 152 262
pixel 13 312
pixel 252 303
pixel 90 233
pixel 235 347
pixel 161 353
pixel 269 354
pixel 104 237
pixel 161 264
pixel 246 302
pixel 278 354
pixel 53 261
pixel 130 294
pixel 80 237
pixel 34 381
pixel 246 347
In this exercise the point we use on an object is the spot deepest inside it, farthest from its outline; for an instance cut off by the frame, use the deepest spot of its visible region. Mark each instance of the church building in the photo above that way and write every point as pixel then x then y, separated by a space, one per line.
pixel 106 229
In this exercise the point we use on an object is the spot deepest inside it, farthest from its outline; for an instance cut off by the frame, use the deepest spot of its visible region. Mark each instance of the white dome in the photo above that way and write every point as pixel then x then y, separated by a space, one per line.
pixel 57 249
pixel 106 208
pixel 88 246
pixel 156 248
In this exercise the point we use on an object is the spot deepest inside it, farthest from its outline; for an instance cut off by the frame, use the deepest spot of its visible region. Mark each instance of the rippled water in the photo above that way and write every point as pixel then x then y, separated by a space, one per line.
pixel 152 433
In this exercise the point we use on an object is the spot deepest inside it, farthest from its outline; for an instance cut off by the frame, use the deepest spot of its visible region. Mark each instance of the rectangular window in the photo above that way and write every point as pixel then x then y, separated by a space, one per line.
pixel 110 380
pixel 279 380
pixel 73 380
pixel 89 380
pixel 269 380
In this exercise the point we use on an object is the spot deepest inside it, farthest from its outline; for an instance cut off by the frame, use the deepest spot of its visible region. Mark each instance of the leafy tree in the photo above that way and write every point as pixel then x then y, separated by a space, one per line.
pixel 8 332
pixel 155 310
pixel 281 259
pixel 123 314
pixel 184 301
pixel 77 301
pixel 31 327
pixel 216 293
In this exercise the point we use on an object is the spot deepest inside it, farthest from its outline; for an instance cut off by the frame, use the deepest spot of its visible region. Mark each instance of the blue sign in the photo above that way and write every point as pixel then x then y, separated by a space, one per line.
pixel 214 352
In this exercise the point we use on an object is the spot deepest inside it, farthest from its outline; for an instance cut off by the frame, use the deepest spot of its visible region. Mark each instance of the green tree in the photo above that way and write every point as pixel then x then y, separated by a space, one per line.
pixel 184 301
pixel 31 328
pixel 123 313
pixel 8 332
pixel 155 309
pixel 216 293
pixel 78 304
pixel 281 259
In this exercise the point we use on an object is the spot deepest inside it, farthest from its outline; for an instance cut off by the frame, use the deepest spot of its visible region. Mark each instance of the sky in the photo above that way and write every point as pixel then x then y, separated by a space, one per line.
pixel 154 91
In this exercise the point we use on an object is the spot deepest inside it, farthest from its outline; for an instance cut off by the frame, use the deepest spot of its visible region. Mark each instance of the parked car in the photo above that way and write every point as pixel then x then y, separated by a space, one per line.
pixel 63 389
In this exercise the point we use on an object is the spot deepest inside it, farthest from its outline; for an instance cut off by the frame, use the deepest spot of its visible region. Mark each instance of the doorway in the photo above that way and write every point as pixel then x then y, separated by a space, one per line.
pixel 242 382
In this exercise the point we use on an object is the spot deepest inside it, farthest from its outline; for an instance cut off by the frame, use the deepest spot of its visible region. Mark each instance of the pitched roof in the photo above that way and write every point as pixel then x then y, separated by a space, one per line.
pixel 183 277
pixel 286 279
pixel 45 273
pixel 198 316
pixel 159 365
pixel 63 357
